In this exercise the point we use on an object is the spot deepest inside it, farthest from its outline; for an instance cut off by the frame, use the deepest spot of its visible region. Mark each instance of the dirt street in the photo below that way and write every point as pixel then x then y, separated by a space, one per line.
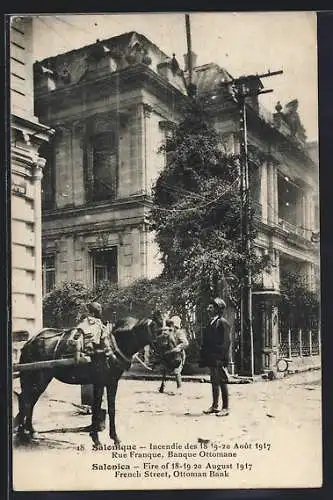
pixel 274 426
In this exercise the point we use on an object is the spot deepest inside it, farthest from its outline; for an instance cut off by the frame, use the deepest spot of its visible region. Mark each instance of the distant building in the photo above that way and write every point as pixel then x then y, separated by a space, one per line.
pixel 112 104
pixel 27 135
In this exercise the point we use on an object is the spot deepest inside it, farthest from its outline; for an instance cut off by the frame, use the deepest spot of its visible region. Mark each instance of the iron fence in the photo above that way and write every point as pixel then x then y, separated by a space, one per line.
pixel 298 342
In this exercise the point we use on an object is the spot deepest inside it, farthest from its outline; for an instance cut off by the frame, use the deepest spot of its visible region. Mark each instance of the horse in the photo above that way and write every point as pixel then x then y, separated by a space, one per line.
pixel 127 338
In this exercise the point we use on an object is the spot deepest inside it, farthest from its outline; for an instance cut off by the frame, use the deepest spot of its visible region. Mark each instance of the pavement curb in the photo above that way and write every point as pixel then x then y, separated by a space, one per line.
pixel 232 379
pixel 185 378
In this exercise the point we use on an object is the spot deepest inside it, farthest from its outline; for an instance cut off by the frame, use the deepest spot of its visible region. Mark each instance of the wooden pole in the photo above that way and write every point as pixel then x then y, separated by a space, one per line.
pixel 289 343
pixel 189 47
pixel 41 365
pixel 246 289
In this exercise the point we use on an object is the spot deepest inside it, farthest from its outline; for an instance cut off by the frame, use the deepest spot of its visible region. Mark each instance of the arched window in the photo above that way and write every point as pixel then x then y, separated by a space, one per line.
pixel 102 167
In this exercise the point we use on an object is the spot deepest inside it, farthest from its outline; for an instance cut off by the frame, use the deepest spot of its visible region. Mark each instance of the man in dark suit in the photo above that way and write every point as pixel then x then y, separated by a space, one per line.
pixel 215 355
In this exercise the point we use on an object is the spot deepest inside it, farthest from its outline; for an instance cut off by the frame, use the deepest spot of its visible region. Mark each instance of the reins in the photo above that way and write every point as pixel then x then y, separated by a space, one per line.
pixel 58 342
pixel 117 351
pixel 137 357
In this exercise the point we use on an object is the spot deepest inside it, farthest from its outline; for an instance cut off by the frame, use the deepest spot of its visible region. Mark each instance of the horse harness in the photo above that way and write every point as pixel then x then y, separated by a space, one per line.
pixel 117 356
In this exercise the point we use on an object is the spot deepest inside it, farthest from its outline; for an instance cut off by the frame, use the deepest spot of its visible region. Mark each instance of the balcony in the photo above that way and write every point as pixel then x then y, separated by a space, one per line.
pixel 290 228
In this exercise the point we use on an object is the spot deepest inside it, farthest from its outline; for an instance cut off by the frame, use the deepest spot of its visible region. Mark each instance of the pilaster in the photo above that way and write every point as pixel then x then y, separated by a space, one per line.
pixel 37 176
pixel 63 171
pixel 137 149
pixel 272 194
pixel 264 192
pixel 147 147
pixel 77 161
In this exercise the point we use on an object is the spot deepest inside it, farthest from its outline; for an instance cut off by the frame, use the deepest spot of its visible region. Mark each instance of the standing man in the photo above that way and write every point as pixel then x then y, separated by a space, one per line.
pixel 95 334
pixel 215 355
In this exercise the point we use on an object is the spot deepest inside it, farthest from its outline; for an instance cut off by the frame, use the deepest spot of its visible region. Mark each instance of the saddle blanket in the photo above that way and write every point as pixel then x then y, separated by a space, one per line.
pixel 68 342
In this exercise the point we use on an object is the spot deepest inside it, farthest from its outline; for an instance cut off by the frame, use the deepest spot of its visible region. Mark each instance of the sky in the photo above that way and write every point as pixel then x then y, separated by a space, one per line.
pixel 242 43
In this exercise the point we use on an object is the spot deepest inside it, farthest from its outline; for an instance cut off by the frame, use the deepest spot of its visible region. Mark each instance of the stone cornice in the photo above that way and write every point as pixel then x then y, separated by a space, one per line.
pixel 31 127
pixel 268 133
pixel 92 228
pixel 30 160
pixel 135 75
pixel 281 142
pixel 141 200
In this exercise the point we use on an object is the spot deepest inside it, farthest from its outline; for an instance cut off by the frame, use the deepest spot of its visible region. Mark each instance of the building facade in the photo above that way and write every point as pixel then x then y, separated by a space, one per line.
pixel 27 135
pixel 285 200
pixel 112 105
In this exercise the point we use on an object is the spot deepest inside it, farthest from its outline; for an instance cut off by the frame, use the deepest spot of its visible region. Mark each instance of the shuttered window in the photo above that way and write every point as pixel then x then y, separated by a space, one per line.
pixel 102 167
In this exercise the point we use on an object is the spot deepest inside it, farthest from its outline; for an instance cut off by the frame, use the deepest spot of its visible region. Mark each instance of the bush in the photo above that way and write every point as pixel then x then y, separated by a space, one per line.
pixel 138 299
pixel 192 357
pixel 63 306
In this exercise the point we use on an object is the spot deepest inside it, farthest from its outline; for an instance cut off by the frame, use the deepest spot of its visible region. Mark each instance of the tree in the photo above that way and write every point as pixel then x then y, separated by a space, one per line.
pixel 196 213
pixel 299 306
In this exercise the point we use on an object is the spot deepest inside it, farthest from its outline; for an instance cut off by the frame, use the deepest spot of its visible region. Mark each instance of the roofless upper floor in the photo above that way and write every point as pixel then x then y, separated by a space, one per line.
pixel 119 64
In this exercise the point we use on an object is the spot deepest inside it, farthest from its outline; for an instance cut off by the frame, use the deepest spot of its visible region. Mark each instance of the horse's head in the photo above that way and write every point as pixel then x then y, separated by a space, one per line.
pixel 132 334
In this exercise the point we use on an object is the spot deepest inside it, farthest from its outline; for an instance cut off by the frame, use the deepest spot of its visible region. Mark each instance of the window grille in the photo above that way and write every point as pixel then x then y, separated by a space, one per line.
pixel 48 273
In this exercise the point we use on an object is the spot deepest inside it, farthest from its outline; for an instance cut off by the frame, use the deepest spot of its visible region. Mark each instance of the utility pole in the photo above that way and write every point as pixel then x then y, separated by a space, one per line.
pixel 189 48
pixel 242 88
pixel 191 88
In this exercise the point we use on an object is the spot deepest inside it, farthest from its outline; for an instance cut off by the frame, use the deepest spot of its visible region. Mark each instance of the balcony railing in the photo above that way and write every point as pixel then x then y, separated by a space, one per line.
pixel 292 228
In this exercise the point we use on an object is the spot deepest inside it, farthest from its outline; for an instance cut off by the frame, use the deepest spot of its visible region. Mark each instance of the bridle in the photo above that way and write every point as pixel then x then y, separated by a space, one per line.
pixel 117 355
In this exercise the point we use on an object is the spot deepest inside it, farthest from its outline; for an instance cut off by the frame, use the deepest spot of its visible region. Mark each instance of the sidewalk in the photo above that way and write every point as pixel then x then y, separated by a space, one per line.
pixel 286 415
pixel 295 366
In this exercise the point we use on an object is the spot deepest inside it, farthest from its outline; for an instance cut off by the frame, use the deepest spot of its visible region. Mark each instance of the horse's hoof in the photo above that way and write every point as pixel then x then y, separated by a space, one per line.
pixel 32 433
pixel 22 437
pixel 116 441
pixel 94 437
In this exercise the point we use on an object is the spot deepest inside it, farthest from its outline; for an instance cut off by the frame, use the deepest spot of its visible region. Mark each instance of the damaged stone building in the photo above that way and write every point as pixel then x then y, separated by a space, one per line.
pixel 112 104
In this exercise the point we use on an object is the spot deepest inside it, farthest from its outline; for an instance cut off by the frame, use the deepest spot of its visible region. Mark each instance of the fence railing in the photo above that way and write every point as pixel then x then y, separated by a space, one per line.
pixel 299 342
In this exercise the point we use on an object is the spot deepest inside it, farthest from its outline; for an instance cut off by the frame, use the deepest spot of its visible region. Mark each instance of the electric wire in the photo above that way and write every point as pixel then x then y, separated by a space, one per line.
pixel 72 25
pixel 60 35
pixel 197 207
